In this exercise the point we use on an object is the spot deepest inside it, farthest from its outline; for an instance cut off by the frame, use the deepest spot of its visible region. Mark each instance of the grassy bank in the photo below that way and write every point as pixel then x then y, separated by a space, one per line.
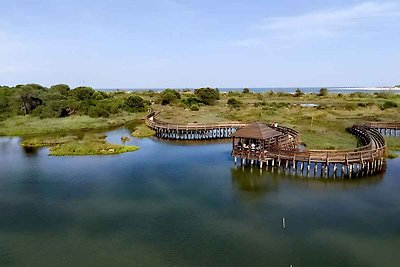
pixel 29 125
pixel 92 144
pixel 142 131
pixel 77 145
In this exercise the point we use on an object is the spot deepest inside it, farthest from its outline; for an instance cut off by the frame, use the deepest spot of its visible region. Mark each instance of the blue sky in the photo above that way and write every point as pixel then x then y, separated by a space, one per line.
pixel 178 43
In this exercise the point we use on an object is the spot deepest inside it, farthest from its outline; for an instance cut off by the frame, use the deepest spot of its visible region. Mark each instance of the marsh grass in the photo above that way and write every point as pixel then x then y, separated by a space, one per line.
pixel 91 144
pixel 29 125
pixel 142 131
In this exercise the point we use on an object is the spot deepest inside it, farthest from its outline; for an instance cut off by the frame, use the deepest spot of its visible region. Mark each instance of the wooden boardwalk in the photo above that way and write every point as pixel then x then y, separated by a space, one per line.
pixel 386 128
pixel 192 131
pixel 367 159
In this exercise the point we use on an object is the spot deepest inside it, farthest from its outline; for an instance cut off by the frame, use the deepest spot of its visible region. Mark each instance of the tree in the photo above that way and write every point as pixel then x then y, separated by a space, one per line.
pixel 29 102
pixel 135 103
pixel 167 98
pixel 83 92
pixel 60 88
pixel 323 92
pixel 207 96
pixel 298 93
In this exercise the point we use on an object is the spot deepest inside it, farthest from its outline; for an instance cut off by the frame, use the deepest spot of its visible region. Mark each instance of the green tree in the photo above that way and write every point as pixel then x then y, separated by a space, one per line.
pixel 135 103
pixel 207 95
pixel 63 89
pixel 83 93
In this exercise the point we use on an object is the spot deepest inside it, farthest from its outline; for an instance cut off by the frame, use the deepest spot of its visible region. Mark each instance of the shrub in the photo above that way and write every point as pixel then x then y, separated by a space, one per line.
pixel 167 98
pixel 234 103
pixel 207 96
pixel 194 107
pixel 83 93
pixel 298 93
pixel 323 92
pixel 246 90
pixel 60 88
pixel 98 111
pixel 172 91
pixel 388 104
pixel 385 94
pixel 135 103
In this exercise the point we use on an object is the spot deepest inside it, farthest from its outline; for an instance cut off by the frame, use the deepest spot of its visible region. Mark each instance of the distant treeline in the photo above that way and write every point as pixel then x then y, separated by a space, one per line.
pixel 61 101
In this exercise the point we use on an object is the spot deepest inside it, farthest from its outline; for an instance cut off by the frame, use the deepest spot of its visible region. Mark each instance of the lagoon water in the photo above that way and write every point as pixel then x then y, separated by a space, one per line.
pixel 174 204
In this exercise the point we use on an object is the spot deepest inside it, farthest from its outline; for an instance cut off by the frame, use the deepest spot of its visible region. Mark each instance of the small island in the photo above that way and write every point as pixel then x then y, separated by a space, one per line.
pixel 73 121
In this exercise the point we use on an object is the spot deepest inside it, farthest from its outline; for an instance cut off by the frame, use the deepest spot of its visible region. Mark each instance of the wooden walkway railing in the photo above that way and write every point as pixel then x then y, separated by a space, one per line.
pixel 386 128
pixel 192 131
pixel 364 160
pixel 367 159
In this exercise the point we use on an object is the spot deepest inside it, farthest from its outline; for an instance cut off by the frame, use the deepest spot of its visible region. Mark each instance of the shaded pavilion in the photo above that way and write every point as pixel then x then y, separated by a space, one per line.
pixel 256 137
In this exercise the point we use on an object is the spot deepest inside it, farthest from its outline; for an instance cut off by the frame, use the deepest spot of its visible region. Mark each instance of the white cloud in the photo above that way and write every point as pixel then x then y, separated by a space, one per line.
pixel 322 24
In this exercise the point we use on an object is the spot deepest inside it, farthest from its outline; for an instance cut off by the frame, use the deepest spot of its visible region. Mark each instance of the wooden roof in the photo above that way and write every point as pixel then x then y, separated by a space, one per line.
pixel 257 130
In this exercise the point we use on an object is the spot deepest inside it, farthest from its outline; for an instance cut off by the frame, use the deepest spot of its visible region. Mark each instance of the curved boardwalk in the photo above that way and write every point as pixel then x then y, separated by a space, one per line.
pixel 191 131
pixel 386 128
pixel 367 159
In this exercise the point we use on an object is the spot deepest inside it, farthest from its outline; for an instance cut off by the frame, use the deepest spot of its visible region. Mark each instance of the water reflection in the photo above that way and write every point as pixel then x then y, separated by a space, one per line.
pixel 253 180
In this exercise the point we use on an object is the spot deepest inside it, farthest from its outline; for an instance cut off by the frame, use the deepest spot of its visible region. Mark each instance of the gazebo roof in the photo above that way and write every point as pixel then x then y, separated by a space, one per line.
pixel 257 130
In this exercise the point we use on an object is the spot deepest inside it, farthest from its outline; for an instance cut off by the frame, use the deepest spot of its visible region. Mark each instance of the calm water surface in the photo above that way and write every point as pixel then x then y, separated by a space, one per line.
pixel 172 204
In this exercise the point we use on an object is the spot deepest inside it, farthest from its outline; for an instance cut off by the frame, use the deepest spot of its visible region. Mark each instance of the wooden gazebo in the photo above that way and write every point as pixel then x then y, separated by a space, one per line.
pixel 256 137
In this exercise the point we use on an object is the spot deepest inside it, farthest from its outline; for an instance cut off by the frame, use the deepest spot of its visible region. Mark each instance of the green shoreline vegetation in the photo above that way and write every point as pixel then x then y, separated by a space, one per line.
pixel 65 118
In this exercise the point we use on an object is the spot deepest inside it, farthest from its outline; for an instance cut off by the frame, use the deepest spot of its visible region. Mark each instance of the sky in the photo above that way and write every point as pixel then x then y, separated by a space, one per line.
pixel 193 43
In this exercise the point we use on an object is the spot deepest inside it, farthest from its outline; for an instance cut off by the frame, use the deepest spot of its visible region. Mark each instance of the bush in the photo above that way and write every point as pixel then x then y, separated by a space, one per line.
pixel 385 94
pixel 207 96
pixel 167 98
pixel 98 111
pixel 298 93
pixel 323 92
pixel 191 100
pixel 83 93
pixel 246 90
pixel 63 89
pixel 135 103
pixel 194 107
pixel 172 91
pixel 388 104
pixel 234 103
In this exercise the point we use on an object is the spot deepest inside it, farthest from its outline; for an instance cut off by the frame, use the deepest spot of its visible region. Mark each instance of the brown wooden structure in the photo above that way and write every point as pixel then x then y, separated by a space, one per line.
pixel 278 147
pixel 192 131
pixel 364 160
pixel 386 128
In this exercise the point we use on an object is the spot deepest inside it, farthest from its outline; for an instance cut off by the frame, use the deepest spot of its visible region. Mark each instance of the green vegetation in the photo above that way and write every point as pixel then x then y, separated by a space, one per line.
pixel 90 144
pixel 234 103
pixel 76 144
pixel 323 92
pixel 322 127
pixel 142 131
pixel 62 111
pixel 207 96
